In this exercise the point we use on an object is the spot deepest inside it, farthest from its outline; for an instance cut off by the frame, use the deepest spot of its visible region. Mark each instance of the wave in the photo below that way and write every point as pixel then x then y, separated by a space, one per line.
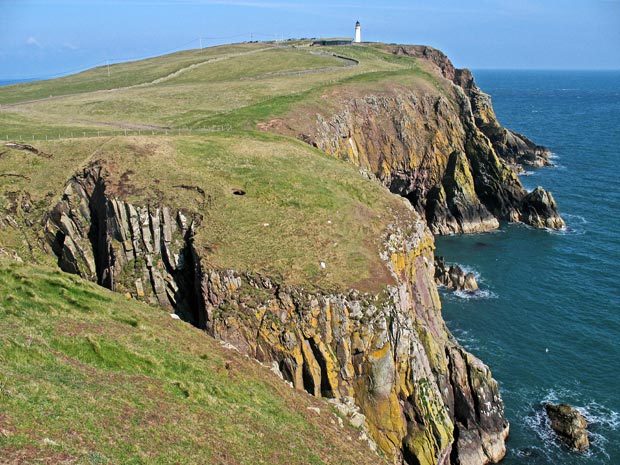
pixel 465 338
pixel 599 415
pixel 575 226
pixel 479 294
pixel 601 421
pixel 528 173
pixel 469 269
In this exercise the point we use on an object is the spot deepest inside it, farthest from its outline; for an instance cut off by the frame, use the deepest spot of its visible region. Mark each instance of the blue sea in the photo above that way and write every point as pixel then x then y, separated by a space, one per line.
pixel 547 320
pixel 8 82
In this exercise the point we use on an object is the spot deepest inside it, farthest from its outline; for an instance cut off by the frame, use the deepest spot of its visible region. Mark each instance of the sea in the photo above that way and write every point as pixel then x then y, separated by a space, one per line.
pixel 8 82
pixel 547 318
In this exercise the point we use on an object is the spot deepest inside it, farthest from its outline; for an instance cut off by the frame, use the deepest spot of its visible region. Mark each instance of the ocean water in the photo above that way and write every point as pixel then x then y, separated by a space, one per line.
pixel 547 321
pixel 8 82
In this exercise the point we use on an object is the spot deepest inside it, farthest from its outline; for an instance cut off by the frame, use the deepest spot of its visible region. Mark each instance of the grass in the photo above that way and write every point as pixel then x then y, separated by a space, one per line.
pixel 316 209
pixel 301 207
pixel 89 377
pixel 229 82
pixel 120 75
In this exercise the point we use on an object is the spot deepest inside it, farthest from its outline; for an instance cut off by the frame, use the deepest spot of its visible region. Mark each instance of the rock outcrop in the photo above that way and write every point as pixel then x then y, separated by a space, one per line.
pixel 439 146
pixel 569 425
pixel 512 147
pixel 540 210
pixel 143 252
pixel 422 397
pixel 453 277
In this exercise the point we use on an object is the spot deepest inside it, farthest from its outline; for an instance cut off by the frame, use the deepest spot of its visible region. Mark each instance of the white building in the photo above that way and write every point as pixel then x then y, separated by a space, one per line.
pixel 358 33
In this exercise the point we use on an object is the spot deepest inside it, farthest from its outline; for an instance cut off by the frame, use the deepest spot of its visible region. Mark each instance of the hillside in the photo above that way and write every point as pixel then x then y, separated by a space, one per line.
pixel 250 189
pixel 89 376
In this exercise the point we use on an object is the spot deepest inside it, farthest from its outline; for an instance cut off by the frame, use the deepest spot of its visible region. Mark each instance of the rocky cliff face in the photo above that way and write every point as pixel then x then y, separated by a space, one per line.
pixel 143 252
pixel 440 147
pixel 423 398
pixel 512 147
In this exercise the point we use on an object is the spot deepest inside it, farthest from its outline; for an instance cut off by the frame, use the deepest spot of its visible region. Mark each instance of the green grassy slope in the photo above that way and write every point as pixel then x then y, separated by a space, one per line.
pixel 316 209
pixel 120 75
pixel 301 207
pixel 89 377
pixel 233 85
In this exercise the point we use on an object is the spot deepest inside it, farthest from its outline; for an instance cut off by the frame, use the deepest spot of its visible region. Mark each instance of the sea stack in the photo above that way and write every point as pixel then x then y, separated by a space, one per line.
pixel 569 425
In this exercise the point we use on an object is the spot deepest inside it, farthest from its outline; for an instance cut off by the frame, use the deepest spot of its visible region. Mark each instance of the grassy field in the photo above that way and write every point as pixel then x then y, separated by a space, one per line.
pixel 237 85
pixel 89 377
pixel 118 75
pixel 301 207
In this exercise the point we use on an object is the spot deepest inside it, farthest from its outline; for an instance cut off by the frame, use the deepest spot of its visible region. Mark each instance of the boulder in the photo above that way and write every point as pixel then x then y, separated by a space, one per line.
pixel 540 210
pixel 569 425
pixel 453 276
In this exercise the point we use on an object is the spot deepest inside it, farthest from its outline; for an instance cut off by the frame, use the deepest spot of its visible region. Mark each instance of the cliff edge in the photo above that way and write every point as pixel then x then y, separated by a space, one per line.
pixel 243 221
pixel 432 137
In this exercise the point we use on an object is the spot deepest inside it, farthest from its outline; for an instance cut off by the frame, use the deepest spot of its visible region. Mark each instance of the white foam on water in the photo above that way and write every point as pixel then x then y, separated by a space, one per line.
pixel 600 419
pixel 466 339
pixel 599 415
pixel 476 295
pixel 469 269
pixel 575 226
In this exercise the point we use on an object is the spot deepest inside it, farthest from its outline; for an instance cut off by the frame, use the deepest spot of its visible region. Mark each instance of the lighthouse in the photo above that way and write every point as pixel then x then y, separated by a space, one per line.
pixel 358 33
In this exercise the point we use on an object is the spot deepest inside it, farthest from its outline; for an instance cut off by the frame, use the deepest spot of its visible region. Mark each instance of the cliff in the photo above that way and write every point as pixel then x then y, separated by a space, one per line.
pixel 435 141
pixel 424 399
pixel 303 262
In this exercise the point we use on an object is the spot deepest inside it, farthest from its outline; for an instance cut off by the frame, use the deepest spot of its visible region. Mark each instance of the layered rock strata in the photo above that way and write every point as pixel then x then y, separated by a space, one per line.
pixel 143 252
pixel 439 146
pixel 422 397
pixel 510 146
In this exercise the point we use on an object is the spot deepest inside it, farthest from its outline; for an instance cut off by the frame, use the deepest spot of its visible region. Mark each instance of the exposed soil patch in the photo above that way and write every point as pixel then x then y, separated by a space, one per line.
pixel 200 190
pixel 28 148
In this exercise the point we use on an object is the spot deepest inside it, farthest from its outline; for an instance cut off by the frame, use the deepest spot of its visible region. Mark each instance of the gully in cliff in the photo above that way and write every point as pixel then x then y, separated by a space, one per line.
pixel 432 139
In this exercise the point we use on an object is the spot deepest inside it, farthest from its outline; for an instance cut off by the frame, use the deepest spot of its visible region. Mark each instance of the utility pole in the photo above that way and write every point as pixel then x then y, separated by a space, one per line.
pixel 107 62
pixel 200 41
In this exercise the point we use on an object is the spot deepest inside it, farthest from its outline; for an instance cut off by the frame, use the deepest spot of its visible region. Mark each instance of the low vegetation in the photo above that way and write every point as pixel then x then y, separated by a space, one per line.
pixel 89 377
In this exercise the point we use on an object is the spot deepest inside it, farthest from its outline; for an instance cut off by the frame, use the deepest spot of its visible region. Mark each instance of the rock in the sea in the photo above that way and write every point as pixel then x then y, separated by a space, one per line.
pixel 569 425
pixel 540 210
pixel 453 276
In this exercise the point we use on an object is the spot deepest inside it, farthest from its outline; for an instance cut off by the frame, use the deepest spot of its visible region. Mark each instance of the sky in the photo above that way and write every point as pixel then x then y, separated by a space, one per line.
pixel 43 39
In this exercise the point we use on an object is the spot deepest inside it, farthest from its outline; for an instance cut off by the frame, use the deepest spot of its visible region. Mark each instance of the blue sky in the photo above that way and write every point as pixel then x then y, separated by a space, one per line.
pixel 43 38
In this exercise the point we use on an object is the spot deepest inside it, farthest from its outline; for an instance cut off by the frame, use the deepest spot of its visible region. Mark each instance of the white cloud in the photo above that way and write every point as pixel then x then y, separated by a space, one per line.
pixel 70 46
pixel 33 41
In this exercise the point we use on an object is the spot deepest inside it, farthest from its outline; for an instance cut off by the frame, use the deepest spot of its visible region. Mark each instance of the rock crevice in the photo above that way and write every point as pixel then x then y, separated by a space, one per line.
pixel 144 252
pixel 390 353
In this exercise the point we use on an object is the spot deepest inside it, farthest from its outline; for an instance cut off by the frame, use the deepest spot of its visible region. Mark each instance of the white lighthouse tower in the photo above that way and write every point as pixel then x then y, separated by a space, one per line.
pixel 358 33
